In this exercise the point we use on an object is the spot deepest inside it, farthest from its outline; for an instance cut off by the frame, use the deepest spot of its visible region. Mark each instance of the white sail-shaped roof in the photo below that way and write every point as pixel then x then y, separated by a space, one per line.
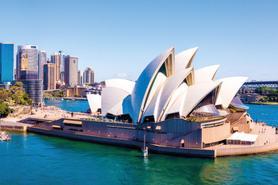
pixel 94 101
pixel 152 109
pixel 113 94
pixel 196 93
pixel 162 97
pixel 177 101
pixel 121 108
pixel 156 86
pixel 123 84
pixel 168 87
pixel 205 74
pixel 126 106
pixel 116 109
pixel 184 59
pixel 171 84
pixel 228 89
pixel 144 83
pixel 110 97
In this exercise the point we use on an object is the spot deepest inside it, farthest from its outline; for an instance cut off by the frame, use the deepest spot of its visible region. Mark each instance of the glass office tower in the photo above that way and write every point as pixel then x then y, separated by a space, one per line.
pixel 6 63
pixel 29 71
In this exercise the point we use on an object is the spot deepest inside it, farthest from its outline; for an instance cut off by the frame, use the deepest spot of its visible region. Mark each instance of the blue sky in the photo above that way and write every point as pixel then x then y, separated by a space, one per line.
pixel 119 38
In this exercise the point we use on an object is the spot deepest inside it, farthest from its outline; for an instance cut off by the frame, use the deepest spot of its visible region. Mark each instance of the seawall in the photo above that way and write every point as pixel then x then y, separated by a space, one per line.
pixel 126 143
pixel 13 126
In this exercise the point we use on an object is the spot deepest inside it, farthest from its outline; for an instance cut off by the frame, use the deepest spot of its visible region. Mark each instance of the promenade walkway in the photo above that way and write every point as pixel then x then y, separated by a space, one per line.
pixel 267 140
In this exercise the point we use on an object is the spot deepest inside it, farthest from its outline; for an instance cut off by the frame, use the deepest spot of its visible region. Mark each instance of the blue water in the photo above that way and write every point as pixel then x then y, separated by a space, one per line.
pixel 69 105
pixel 265 113
pixel 34 159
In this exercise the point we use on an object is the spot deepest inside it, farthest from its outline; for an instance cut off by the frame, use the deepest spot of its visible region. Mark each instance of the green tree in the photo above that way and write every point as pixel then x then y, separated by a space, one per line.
pixel 19 95
pixel 4 94
pixel 4 110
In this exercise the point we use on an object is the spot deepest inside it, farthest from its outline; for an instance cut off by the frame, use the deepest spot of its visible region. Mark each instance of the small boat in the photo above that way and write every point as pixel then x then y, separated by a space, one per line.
pixel 4 136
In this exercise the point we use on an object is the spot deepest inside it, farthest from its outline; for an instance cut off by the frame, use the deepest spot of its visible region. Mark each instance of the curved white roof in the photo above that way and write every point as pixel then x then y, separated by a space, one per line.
pixel 123 84
pixel 205 74
pixel 122 108
pixel 184 59
pixel 94 101
pixel 156 86
pixel 152 109
pixel 143 86
pixel 196 93
pixel 228 89
pixel 116 109
pixel 110 97
pixel 170 85
pixel 126 106
pixel 163 95
pixel 177 101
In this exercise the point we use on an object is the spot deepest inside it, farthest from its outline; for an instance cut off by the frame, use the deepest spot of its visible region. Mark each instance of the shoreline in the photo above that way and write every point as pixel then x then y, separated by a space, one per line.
pixel 213 152
pixel 50 120
pixel 66 98
pixel 263 103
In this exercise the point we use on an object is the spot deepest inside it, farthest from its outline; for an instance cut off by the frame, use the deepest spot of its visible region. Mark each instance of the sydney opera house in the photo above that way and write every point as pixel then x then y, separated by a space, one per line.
pixel 171 96
pixel 175 109
pixel 170 87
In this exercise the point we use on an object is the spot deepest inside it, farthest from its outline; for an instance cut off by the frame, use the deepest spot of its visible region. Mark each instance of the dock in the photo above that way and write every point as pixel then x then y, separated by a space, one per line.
pixel 125 135
pixel 13 126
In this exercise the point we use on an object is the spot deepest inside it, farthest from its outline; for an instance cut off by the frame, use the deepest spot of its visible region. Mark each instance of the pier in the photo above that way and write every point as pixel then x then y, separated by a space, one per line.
pixel 13 126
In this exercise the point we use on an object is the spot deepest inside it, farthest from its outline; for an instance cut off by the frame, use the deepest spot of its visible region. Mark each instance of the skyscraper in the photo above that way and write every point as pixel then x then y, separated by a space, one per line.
pixel 80 78
pixel 42 60
pixel 27 63
pixel 71 71
pixel 28 67
pixel 49 81
pixel 88 76
pixel 57 59
pixel 6 62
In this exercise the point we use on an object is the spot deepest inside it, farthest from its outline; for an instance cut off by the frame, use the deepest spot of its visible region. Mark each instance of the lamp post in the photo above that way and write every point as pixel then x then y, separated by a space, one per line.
pixel 145 148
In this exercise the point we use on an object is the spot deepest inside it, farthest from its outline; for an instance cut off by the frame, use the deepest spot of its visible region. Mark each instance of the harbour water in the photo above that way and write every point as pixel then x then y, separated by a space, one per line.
pixel 34 159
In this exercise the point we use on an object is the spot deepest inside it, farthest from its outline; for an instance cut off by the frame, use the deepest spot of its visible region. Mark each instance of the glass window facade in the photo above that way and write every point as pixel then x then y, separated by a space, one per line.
pixel 6 62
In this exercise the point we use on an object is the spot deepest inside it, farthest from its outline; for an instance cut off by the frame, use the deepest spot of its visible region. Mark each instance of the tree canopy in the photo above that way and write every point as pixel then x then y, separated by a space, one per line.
pixel 15 95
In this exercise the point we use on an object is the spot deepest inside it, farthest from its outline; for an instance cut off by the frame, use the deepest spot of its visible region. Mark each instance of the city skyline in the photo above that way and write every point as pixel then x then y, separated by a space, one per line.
pixel 125 36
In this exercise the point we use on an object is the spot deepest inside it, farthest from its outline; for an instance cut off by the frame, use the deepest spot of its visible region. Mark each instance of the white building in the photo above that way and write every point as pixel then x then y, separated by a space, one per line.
pixel 169 87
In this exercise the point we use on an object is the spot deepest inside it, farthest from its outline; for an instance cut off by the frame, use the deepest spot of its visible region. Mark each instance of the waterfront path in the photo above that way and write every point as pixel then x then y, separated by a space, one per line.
pixel 12 125
pixel 267 141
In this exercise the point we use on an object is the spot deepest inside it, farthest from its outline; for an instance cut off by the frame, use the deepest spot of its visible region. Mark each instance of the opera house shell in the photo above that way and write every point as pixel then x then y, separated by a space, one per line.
pixel 169 87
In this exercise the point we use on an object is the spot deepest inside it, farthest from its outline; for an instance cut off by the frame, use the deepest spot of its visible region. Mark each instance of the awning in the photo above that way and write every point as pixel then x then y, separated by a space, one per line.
pixel 241 136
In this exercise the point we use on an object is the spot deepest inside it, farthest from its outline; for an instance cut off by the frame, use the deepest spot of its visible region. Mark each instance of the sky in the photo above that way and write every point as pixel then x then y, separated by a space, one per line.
pixel 119 38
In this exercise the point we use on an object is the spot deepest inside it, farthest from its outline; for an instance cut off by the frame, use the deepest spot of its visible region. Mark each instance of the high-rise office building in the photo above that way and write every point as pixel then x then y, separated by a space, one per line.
pixel 62 74
pixel 57 59
pixel 41 61
pixel 27 70
pixel 49 81
pixel 88 76
pixel 80 78
pixel 6 62
pixel 71 71
pixel 27 63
